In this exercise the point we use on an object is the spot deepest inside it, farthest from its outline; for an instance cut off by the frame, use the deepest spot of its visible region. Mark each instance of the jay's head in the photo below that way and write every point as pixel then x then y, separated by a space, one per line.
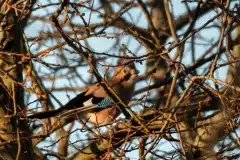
pixel 126 70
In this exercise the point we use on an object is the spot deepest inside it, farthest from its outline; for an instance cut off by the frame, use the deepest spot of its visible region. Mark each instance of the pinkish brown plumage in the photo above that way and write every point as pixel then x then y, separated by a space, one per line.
pixel 94 104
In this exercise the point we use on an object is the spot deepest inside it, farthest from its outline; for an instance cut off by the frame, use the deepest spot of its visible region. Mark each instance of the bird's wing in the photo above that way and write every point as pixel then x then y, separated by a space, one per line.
pixel 86 101
pixel 73 103
pixel 91 105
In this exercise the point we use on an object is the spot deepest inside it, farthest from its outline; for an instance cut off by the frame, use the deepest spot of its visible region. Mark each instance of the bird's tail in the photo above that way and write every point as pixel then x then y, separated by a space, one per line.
pixel 45 114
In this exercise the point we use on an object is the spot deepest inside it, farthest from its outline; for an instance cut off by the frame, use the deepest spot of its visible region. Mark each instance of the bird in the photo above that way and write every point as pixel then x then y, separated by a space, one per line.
pixel 94 105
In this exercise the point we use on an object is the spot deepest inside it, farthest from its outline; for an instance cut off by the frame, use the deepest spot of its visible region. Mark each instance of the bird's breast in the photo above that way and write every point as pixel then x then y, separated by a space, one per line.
pixel 104 116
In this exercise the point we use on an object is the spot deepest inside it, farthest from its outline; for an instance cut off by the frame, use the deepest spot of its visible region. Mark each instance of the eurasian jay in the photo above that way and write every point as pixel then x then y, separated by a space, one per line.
pixel 94 104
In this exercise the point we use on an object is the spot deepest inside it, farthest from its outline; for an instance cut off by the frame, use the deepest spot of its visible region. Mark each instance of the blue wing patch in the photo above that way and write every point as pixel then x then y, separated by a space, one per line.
pixel 105 102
